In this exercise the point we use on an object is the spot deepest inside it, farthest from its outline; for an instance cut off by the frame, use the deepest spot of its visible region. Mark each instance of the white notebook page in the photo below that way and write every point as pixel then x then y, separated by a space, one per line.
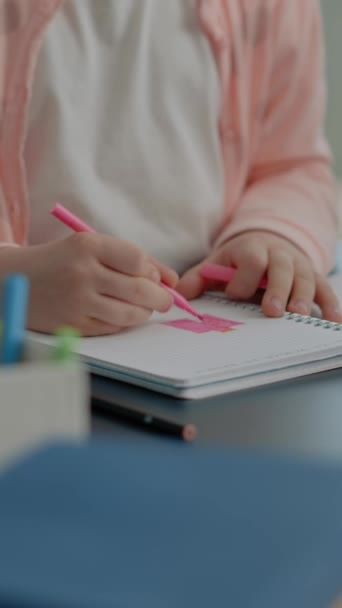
pixel 185 358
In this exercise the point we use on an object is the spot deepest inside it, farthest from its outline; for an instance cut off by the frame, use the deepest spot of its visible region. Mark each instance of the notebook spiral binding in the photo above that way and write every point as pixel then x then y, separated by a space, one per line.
pixel 291 316
pixel 313 321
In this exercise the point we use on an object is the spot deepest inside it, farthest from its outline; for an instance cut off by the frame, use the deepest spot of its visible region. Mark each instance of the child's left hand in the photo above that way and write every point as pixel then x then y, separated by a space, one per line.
pixel 292 283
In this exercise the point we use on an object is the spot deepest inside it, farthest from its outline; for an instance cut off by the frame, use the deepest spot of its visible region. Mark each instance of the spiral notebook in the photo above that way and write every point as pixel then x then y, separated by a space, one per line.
pixel 234 348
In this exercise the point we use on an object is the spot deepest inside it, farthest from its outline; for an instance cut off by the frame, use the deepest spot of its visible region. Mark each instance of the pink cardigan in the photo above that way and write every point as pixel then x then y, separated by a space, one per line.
pixel 277 164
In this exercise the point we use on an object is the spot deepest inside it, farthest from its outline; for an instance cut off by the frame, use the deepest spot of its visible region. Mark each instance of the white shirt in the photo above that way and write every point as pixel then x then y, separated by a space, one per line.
pixel 123 127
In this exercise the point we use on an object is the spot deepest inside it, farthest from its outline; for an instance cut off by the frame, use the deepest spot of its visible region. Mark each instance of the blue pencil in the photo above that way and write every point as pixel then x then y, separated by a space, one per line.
pixel 14 312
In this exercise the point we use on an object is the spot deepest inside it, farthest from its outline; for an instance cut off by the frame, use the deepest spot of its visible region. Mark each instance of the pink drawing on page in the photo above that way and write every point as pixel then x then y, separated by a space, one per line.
pixel 209 323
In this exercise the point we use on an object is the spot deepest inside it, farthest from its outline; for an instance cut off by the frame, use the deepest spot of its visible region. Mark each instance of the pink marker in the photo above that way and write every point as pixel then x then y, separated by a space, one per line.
pixel 182 302
pixel 69 219
pixel 216 272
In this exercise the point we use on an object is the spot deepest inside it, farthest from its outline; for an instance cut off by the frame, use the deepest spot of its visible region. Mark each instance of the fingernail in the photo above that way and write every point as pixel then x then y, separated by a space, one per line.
pixel 300 307
pixel 277 304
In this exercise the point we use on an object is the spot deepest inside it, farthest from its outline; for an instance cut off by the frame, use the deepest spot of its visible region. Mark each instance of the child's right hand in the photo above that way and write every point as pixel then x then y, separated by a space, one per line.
pixel 95 283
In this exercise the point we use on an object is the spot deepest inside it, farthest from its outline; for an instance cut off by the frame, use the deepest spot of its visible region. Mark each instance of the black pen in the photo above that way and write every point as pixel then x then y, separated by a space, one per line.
pixel 140 418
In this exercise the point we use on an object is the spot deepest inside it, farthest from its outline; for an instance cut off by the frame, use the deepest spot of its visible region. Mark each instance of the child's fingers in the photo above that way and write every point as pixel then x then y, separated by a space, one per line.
pixel 116 254
pixel 168 276
pixel 251 264
pixel 303 290
pixel 327 300
pixel 120 314
pixel 191 284
pixel 135 290
pixel 94 327
pixel 280 275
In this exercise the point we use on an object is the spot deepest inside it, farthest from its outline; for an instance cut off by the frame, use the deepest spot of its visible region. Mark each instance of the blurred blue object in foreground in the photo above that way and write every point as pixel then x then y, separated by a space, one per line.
pixel 123 525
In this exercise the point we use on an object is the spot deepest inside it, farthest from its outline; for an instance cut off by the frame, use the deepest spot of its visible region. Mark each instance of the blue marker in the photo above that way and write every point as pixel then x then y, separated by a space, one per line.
pixel 14 311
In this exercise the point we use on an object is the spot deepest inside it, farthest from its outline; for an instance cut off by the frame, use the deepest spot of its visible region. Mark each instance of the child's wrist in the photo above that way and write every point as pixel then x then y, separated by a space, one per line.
pixel 13 258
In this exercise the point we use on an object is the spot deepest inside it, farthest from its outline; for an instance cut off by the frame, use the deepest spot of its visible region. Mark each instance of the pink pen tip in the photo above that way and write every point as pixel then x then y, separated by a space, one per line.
pixel 181 302
pixel 189 432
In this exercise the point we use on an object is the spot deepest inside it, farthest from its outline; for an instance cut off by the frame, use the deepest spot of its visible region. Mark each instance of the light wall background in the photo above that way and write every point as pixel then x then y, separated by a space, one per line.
pixel 332 17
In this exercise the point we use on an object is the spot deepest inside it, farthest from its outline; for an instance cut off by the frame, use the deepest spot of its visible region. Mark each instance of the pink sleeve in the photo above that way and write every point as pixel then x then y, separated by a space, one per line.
pixel 290 189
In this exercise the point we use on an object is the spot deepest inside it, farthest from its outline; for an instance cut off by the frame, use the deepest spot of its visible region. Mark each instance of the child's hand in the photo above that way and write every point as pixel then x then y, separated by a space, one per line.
pixel 92 282
pixel 292 282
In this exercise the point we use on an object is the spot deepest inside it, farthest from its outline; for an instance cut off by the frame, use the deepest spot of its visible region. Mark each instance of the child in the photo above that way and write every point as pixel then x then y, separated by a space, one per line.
pixel 182 131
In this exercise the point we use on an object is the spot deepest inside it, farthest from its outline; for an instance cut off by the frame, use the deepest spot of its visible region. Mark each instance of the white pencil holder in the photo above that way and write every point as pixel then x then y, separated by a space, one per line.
pixel 41 400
